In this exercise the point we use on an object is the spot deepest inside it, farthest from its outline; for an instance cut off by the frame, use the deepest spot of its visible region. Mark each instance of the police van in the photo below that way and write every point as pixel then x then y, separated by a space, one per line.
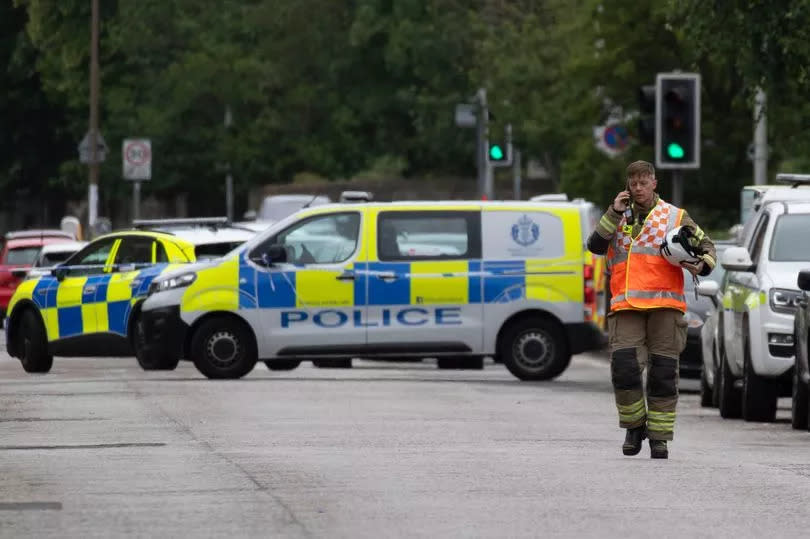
pixel 450 280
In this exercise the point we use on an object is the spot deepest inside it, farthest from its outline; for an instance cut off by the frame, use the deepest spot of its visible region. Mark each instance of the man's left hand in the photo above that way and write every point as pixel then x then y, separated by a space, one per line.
pixel 695 268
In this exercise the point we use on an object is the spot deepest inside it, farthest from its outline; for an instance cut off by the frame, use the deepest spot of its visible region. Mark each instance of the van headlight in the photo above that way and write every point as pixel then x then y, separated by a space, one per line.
pixel 693 320
pixel 785 301
pixel 179 281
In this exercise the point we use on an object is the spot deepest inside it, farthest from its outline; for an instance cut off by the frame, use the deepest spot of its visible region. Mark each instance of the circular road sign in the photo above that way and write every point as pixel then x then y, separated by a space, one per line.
pixel 137 155
pixel 615 137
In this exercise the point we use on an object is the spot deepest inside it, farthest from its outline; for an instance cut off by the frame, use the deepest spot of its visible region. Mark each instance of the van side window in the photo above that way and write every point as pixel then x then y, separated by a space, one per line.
pixel 759 238
pixel 428 235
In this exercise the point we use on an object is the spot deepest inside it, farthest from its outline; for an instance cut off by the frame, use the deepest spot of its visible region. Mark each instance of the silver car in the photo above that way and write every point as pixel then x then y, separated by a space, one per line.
pixel 711 288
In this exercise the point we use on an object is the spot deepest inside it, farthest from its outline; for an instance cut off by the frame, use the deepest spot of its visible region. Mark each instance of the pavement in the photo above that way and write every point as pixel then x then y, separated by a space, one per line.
pixel 99 448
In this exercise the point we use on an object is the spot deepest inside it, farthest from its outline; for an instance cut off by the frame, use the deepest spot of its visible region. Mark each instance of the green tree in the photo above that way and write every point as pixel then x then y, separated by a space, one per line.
pixel 33 135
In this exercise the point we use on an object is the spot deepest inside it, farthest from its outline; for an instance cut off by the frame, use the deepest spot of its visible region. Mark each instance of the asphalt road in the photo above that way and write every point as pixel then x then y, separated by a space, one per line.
pixel 98 448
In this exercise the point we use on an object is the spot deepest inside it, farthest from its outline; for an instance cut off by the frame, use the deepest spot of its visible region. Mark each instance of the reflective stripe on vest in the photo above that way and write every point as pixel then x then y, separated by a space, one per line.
pixel 653 282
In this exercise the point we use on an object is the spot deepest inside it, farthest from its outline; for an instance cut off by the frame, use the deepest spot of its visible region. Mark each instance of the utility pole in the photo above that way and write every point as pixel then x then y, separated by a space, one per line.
pixel 760 138
pixel 92 193
pixel 228 176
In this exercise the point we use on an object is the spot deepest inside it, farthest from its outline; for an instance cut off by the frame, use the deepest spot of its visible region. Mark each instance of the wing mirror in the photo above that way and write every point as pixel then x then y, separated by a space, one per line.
pixel 19 273
pixel 709 289
pixel 737 259
pixel 804 280
pixel 59 272
pixel 275 254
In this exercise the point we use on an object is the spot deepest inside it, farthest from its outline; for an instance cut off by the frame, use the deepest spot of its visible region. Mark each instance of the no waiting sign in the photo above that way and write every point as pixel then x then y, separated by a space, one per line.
pixel 137 153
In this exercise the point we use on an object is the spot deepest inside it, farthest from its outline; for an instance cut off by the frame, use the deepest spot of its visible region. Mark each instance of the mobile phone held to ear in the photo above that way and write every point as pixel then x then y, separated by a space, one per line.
pixel 628 211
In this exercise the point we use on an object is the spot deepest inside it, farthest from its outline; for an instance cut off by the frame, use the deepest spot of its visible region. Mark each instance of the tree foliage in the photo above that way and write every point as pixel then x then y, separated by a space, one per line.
pixel 333 89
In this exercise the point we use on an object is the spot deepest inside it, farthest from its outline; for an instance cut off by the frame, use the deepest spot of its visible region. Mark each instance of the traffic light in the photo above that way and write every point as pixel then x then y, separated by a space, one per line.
pixel 499 154
pixel 646 117
pixel 496 152
pixel 677 120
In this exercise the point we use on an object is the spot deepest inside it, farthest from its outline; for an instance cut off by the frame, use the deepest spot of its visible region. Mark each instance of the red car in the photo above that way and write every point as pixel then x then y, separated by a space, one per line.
pixel 19 252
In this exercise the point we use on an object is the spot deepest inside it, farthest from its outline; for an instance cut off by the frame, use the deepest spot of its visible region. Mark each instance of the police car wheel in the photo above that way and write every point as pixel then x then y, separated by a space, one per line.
pixel 534 349
pixel 154 361
pixel 283 364
pixel 34 355
pixel 223 349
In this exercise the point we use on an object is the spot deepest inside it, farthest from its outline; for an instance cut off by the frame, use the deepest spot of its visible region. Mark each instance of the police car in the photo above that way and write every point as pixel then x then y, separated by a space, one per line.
pixel 212 237
pixel 89 305
pixel 377 280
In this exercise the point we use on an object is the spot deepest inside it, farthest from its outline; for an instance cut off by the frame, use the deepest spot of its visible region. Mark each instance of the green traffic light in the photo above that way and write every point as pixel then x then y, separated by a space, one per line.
pixel 675 150
pixel 495 152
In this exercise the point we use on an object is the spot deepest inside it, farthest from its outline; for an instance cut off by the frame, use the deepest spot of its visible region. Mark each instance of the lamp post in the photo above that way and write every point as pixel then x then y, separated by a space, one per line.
pixel 92 193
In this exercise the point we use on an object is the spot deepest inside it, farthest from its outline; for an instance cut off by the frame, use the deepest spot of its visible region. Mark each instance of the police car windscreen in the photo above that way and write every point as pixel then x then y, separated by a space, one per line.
pixel 22 256
pixel 215 250
pixel 790 239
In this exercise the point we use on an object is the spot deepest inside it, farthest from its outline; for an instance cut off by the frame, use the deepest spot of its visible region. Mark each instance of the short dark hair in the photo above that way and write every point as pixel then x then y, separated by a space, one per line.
pixel 640 168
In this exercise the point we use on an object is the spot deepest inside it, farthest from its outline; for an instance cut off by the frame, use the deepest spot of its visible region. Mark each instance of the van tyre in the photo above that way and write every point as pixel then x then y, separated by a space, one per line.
pixel 34 355
pixel 333 363
pixel 799 403
pixel 729 398
pixel 463 362
pixel 283 364
pixel 534 349
pixel 223 348
pixel 157 361
pixel 759 393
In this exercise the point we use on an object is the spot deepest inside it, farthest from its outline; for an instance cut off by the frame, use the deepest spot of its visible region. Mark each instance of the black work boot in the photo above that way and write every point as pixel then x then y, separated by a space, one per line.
pixel 658 449
pixel 633 439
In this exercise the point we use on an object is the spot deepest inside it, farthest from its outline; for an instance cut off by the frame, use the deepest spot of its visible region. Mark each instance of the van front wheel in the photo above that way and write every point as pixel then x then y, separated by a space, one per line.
pixel 223 348
pixel 534 349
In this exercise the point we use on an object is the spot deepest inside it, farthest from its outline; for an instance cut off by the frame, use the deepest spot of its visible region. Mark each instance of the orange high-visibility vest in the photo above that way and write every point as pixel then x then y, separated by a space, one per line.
pixel 640 278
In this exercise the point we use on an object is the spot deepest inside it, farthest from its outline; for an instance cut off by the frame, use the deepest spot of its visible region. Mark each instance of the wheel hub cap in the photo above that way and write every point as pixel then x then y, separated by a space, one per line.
pixel 533 349
pixel 223 348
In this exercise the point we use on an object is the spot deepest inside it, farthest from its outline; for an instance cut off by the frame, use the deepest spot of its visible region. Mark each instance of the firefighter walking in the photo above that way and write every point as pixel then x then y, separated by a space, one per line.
pixel 647 242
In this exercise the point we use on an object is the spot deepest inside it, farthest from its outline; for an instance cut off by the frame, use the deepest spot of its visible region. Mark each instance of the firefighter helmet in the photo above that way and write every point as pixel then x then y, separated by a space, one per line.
pixel 677 247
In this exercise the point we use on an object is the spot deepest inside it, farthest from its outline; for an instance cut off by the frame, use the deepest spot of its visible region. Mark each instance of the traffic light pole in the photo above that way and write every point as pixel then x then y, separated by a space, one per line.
pixel 677 187
pixel 482 138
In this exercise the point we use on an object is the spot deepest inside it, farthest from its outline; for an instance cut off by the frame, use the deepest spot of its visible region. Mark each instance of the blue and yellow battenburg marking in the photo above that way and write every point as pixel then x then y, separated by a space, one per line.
pixel 385 284
pixel 91 304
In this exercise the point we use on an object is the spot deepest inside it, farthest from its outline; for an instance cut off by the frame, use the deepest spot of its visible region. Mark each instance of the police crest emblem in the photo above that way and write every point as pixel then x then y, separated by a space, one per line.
pixel 525 231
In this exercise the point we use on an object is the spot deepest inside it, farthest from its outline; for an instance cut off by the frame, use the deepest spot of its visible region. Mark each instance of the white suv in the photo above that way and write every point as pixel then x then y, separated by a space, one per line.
pixel 759 302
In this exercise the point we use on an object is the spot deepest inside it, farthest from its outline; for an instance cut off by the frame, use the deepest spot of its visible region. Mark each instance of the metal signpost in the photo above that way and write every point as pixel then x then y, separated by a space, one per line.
pixel 137 158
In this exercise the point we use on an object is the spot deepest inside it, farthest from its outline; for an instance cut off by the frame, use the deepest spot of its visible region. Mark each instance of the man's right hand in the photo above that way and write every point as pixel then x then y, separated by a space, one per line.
pixel 621 202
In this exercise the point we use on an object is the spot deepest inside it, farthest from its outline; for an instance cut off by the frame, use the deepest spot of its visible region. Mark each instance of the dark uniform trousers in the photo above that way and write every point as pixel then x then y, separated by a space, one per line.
pixel 655 337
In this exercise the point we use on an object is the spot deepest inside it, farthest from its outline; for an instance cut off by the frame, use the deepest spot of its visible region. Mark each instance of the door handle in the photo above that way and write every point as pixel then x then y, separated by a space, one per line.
pixel 346 276
pixel 90 288
pixel 387 276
